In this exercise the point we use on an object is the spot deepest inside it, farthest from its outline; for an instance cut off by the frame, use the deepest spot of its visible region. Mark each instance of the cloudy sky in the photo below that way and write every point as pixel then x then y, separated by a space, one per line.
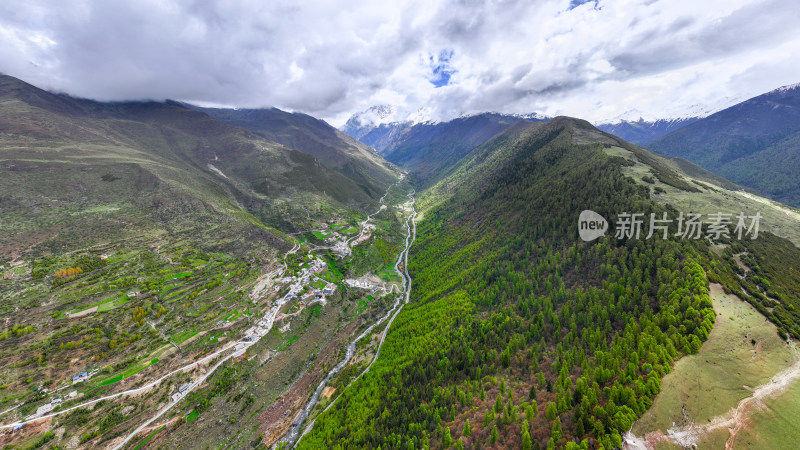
pixel 598 60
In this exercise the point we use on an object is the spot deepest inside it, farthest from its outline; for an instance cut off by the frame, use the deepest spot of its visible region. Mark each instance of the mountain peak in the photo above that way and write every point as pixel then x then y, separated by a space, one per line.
pixel 784 89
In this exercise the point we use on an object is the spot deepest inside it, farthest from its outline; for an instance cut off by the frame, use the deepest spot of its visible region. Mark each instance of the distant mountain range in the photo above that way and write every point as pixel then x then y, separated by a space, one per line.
pixel 159 166
pixel 755 143
pixel 643 132
pixel 433 145
pixel 429 148
pixel 378 127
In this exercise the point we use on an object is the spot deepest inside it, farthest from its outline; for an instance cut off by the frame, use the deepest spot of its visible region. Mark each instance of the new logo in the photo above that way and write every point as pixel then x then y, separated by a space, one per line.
pixel 591 225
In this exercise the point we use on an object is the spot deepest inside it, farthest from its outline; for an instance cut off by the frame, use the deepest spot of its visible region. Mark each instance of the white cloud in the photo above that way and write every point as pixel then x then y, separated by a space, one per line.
pixel 596 61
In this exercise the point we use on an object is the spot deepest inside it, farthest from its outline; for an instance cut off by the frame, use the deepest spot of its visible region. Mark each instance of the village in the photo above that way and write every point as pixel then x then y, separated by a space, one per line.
pixel 285 288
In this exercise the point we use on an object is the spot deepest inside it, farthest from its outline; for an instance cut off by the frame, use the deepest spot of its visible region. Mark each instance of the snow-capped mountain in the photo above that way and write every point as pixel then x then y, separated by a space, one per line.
pixel 642 132
pixel 381 126
pixel 755 143
pixel 362 123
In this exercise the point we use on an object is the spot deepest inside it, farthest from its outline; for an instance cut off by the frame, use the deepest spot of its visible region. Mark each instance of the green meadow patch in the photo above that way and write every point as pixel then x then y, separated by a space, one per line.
pixel 182 336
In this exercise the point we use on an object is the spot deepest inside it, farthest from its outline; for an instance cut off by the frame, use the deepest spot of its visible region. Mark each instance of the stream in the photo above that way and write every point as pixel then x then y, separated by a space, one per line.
pixel 296 431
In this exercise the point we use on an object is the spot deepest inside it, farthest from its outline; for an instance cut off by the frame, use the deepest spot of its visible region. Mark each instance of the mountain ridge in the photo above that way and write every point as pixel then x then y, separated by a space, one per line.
pixel 761 132
pixel 231 170
pixel 430 149
pixel 314 137
pixel 642 132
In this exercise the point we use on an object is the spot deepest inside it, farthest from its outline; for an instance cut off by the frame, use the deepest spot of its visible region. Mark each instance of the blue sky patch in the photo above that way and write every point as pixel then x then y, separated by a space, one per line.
pixel 575 3
pixel 441 70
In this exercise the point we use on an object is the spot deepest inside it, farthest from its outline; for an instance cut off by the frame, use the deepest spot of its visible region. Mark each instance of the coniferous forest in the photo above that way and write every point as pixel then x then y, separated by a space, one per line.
pixel 520 333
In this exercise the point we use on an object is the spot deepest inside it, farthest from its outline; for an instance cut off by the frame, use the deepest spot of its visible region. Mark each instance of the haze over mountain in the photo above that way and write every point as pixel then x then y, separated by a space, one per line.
pixel 429 148
pixel 755 143
pixel 642 132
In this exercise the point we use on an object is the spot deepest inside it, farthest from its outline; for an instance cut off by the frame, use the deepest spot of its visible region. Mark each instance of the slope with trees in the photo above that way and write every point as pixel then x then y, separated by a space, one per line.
pixel 533 337
pixel 754 143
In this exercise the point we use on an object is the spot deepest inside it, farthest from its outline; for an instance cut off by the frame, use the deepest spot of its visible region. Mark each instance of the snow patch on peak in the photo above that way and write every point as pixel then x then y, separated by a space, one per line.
pixel 676 113
pixel 421 116
pixel 787 88
pixel 373 116
pixel 532 116
pixel 526 116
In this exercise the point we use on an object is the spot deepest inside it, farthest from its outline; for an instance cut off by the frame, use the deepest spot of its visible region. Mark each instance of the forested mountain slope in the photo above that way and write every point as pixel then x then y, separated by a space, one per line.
pixel 755 143
pixel 519 335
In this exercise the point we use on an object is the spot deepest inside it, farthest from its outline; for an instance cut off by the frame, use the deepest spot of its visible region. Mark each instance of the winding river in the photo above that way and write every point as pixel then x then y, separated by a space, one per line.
pixel 296 431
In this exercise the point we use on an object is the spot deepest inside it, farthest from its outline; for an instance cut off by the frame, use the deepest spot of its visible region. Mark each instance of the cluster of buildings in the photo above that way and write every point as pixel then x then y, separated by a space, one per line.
pixel 49 407
pixel 240 349
pixel 255 332
pixel 305 278
pixel 338 244
pixel 341 249
pixel 361 284
pixel 332 238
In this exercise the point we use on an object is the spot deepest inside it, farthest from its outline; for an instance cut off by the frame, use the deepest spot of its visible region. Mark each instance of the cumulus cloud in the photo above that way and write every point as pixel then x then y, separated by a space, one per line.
pixel 593 59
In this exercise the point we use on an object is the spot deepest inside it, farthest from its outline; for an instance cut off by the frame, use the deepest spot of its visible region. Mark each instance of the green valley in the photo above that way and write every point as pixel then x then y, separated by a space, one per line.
pixel 519 336
pixel 460 265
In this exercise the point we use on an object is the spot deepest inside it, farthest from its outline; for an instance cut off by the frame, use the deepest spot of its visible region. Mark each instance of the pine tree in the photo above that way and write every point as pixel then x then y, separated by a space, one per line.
pixel 551 411
pixel 467 429
pixel 494 435
pixel 498 404
pixel 529 413
pixel 448 439
pixel 556 434
pixel 488 417
pixel 527 444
